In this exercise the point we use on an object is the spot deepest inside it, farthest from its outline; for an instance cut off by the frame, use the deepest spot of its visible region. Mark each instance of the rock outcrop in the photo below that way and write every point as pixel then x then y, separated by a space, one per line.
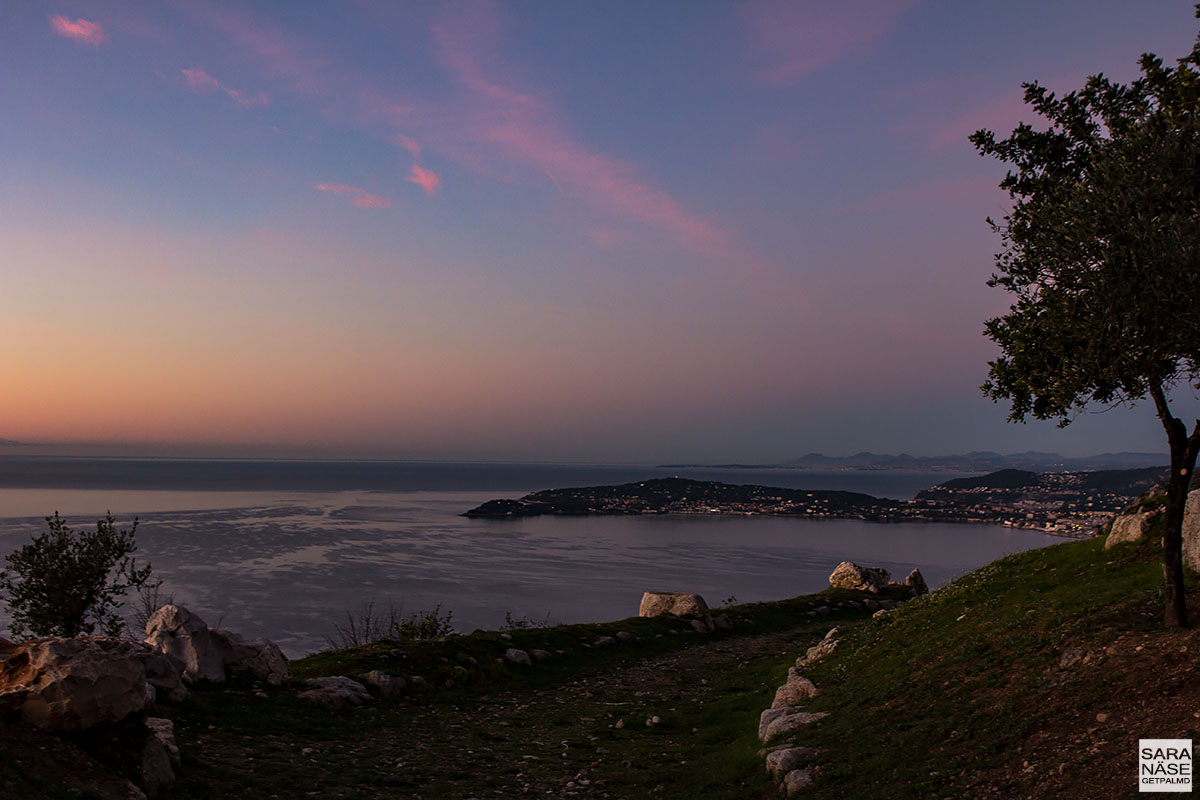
pixel 71 684
pixel 916 582
pixel 678 604
pixel 848 575
pixel 208 654
pixel 1131 527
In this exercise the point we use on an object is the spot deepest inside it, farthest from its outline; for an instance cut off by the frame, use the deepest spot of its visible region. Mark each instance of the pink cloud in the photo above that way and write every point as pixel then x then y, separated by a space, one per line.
pixel 489 125
pixel 524 130
pixel 1001 114
pixel 411 145
pixel 200 80
pixel 359 197
pixel 605 238
pixel 246 100
pixel 790 40
pixel 80 30
pixel 427 179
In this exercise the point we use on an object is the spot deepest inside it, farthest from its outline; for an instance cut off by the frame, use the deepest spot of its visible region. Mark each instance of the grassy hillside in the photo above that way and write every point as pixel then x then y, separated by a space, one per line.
pixel 1031 677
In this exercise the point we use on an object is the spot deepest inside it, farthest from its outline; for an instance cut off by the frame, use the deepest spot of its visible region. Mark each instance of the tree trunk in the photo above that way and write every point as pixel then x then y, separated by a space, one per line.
pixel 1183 462
pixel 1174 599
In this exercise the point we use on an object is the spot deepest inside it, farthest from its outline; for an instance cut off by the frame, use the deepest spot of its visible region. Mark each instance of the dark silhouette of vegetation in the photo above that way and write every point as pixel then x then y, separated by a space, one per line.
pixel 65 583
pixel 371 626
pixel 1102 253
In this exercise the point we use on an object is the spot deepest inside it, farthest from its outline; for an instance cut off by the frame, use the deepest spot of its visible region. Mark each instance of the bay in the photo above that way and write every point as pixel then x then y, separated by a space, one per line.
pixel 311 541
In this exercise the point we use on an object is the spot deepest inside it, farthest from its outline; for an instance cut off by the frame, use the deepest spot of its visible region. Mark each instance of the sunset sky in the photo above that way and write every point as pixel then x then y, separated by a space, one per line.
pixel 605 231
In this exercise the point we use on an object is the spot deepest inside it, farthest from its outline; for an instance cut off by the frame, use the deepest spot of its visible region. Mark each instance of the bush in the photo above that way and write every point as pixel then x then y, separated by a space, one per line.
pixel 369 626
pixel 66 584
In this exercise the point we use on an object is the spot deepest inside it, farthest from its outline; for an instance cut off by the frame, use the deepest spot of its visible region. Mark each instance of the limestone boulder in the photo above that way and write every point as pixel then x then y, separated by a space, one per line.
pixel 1131 527
pixel 71 684
pixel 208 654
pixel 916 582
pixel 336 691
pixel 848 575
pixel 781 762
pixel 256 659
pixel 382 684
pixel 159 763
pixel 819 650
pixel 514 656
pixel 184 636
pixel 790 722
pixel 165 674
pixel 679 604
pixel 797 782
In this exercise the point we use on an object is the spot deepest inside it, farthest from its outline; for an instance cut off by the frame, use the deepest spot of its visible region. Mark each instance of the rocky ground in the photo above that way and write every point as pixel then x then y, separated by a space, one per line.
pixel 649 727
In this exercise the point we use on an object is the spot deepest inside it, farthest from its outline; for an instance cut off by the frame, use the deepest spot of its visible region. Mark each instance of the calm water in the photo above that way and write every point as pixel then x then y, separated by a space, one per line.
pixel 314 540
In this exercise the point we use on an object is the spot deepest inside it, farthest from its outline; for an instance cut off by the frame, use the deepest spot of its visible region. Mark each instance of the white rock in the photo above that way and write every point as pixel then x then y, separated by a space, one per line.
pixel 384 685
pixel 514 656
pixel 792 721
pixel 848 575
pixel 71 684
pixel 797 782
pixel 766 718
pixel 208 654
pixel 784 760
pixel 336 691
pixel 679 604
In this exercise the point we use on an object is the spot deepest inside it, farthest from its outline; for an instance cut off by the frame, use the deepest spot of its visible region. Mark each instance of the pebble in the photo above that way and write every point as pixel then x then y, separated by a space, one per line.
pixel 1102 717
pixel 621 723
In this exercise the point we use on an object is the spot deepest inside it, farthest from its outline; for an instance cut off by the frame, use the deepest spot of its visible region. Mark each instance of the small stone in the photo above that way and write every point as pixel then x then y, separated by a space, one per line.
pixel 1102 717
pixel 621 723
pixel 604 641
pixel 624 636
pixel 514 656
pixel 789 722
pixel 797 781
pixel 785 759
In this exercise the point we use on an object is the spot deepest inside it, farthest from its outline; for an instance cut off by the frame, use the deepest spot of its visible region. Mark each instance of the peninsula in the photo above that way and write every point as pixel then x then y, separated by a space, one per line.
pixel 1063 503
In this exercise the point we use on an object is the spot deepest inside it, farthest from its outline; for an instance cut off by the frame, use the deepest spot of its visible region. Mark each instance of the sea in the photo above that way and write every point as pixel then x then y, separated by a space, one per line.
pixel 287 549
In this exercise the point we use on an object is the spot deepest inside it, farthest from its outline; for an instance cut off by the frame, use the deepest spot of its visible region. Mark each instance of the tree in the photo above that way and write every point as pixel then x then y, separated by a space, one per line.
pixel 1102 253
pixel 65 583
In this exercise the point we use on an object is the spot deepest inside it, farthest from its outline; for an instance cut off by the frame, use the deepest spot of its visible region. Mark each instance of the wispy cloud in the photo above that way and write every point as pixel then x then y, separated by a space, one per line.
pixel 791 39
pixel 522 129
pixel 488 123
pixel 79 30
pixel 200 81
pixel 359 197
pixel 247 100
pixel 427 179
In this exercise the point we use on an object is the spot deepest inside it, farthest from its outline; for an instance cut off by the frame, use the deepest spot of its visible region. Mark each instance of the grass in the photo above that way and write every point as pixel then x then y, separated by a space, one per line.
pixel 958 681
pixel 480 726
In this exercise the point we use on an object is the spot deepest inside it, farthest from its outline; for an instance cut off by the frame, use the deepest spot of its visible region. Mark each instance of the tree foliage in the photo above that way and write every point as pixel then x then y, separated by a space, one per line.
pixel 65 583
pixel 1102 254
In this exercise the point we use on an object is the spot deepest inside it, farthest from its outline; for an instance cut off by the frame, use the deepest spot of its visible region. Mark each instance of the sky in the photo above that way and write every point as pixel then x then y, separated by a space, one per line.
pixel 594 231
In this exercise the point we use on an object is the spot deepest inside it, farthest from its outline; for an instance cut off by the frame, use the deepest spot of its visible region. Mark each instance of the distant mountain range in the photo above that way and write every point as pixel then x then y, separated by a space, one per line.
pixel 978 461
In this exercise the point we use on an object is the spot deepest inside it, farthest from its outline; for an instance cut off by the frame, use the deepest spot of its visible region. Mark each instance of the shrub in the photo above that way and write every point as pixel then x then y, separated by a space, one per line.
pixel 512 623
pixel 65 583
pixel 368 626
